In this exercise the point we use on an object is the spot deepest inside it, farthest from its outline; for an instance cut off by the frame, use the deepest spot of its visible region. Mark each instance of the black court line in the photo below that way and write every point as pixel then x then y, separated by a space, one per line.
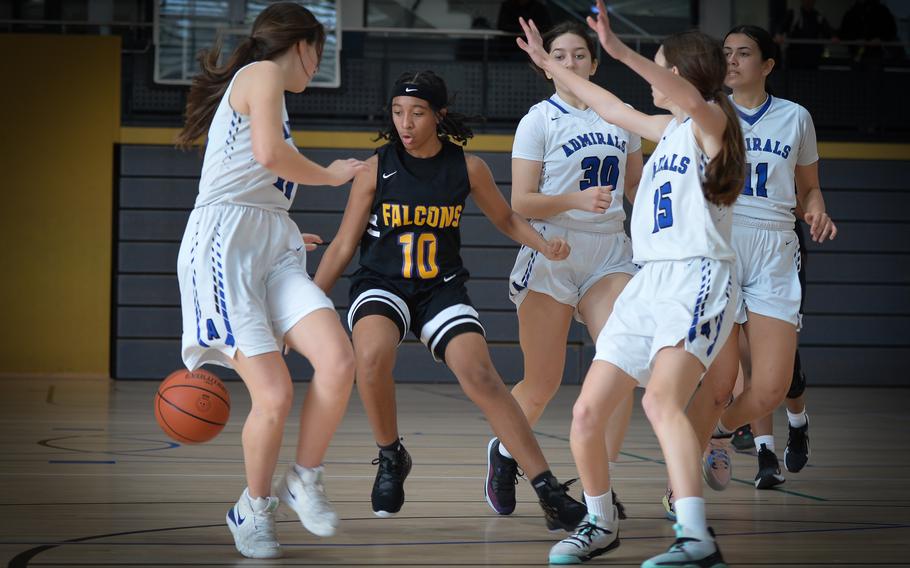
pixel 23 559
pixel 82 461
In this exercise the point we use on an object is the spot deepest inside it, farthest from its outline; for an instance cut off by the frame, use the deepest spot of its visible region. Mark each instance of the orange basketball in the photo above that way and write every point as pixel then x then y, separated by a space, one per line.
pixel 192 406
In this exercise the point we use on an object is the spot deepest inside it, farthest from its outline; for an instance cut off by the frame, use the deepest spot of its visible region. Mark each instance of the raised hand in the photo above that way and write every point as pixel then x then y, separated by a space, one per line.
pixel 341 171
pixel 533 43
pixel 821 226
pixel 601 25
pixel 595 199
pixel 557 249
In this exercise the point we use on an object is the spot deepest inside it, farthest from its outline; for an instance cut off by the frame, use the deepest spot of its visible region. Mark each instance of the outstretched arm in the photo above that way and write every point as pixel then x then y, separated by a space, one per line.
pixel 709 117
pixel 494 206
pixel 607 105
pixel 258 92
pixel 353 224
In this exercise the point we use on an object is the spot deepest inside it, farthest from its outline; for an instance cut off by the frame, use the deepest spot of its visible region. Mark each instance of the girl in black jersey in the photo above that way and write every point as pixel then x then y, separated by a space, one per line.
pixel 404 213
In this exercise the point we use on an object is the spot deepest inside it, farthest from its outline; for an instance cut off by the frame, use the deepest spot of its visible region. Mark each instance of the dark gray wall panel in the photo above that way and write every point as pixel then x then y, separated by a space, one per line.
pixel 860 366
pixel 850 331
pixel 828 266
pixel 858 298
pixel 862 174
pixel 869 299
pixel 867 205
pixel 867 237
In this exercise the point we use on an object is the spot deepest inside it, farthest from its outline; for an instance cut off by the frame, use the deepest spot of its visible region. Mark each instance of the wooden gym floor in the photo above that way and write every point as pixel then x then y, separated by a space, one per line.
pixel 88 479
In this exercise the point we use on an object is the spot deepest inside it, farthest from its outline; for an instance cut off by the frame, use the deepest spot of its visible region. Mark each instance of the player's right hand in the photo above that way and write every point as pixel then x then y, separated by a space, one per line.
pixel 343 171
pixel 557 249
pixel 595 199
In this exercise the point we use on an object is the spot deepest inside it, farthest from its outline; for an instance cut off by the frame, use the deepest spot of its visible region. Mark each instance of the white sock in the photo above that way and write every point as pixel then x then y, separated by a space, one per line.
pixel 721 430
pixel 601 506
pixel 768 441
pixel 797 420
pixel 690 513
pixel 300 470
pixel 504 452
pixel 257 503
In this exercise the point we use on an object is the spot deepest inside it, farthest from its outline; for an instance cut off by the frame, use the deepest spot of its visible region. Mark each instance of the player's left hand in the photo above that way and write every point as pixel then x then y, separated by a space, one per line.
pixel 557 249
pixel 821 226
pixel 310 241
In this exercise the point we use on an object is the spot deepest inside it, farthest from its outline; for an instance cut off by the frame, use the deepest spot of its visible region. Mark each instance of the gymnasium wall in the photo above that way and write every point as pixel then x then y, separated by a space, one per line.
pixel 857 323
pixel 61 103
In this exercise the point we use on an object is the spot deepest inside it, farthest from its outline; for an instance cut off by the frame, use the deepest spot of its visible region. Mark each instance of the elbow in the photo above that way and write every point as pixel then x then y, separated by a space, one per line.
pixel 266 155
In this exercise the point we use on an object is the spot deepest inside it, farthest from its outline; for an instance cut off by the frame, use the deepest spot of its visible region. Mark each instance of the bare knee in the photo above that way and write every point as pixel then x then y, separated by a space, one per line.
pixel 336 364
pixel 768 396
pixel 274 404
pixel 373 364
pixel 658 407
pixel 481 382
pixel 538 393
pixel 586 420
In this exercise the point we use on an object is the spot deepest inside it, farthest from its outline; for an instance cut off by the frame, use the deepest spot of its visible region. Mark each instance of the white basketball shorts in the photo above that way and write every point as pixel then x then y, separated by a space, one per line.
pixel 690 301
pixel 243 283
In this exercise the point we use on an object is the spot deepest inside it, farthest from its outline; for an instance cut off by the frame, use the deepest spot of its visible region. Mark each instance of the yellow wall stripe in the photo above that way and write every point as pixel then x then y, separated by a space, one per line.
pixel 360 140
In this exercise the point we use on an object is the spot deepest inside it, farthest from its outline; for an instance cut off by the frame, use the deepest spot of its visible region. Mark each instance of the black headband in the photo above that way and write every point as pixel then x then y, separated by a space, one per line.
pixel 436 97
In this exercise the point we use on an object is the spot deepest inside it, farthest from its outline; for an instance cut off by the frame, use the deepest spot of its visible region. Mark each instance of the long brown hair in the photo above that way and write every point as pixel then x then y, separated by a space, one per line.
pixel 700 60
pixel 277 28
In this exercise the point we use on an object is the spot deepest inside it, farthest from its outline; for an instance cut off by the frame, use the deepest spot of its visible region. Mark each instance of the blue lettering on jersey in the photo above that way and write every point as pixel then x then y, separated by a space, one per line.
pixel 767 145
pixel 211 329
pixel 673 163
pixel 286 129
pixel 592 139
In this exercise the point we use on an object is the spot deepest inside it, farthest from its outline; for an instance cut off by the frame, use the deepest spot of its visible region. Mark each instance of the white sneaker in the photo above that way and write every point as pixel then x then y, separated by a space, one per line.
pixel 716 465
pixel 689 551
pixel 305 494
pixel 252 522
pixel 591 538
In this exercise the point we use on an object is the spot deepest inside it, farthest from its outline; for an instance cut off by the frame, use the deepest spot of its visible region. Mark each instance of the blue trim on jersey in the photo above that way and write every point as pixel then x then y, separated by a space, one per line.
pixel 699 310
pixel 218 278
pixel 195 291
pixel 753 118
pixel 554 103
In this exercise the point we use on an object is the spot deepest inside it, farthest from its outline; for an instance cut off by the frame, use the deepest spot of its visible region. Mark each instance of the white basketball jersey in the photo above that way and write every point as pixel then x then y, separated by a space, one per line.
pixel 671 219
pixel 230 173
pixel 779 135
pixel 578 150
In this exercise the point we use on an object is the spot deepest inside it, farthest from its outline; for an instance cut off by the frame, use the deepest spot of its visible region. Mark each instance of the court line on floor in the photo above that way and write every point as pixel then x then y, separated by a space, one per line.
pixel 22 559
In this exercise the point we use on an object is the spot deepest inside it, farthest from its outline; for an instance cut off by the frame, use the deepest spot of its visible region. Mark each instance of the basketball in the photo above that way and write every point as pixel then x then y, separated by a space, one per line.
pixel 192 406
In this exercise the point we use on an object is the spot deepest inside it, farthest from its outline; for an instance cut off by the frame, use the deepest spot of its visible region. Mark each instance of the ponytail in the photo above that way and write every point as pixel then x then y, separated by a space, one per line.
pixel 209 86
pixel 725 173
pixel 277 28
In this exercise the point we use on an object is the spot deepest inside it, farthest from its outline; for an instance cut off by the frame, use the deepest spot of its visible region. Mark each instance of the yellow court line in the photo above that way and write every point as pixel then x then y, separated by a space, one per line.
pixel 364 140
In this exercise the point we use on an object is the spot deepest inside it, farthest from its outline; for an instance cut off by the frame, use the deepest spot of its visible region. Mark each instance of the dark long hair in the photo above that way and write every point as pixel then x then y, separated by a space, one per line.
pixel 277 28
pixel 700 60
pixel 568 27
pixel 451 125
pixel 766 45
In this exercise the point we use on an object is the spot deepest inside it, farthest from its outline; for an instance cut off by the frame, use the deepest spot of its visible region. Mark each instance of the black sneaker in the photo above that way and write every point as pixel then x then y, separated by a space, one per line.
pixel 620 508
pixel 797 453
pixel 388 487
pixel 561 511
pixel 742 439
pixel 502 477
pixel 768 469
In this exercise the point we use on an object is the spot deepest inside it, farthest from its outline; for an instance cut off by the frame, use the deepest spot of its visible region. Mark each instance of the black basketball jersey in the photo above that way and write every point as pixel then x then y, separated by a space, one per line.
pixel 413 231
